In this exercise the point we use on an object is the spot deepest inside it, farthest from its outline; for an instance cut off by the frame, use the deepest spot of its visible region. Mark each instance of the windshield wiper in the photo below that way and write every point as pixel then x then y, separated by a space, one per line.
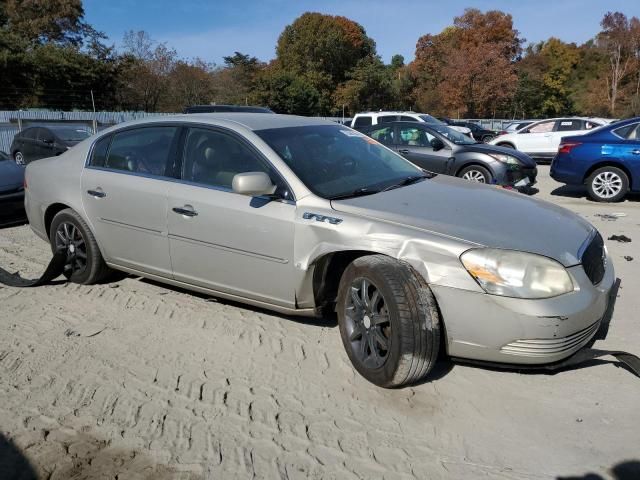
pixel 359 192
pixel 407 181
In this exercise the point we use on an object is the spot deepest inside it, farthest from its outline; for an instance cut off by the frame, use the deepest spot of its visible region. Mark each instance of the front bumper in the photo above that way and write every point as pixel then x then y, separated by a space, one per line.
pixel 497 329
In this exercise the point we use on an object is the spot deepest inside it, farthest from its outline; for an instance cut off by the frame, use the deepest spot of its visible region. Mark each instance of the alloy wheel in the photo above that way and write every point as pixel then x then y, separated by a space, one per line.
pixel 367 323
pixel 474 176
pixel 607 184
pixel 19 158
pixel 69 238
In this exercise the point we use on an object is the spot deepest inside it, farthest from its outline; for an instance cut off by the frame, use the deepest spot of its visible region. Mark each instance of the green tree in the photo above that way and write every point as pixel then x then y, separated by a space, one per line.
pixel 369 86
pixel 285 92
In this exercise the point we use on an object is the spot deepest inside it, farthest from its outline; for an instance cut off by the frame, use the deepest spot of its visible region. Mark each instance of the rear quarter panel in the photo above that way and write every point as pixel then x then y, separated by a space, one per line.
pixel 54 180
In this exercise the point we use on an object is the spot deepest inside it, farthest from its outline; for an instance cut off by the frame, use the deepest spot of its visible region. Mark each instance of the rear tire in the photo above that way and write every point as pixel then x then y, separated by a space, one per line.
pixel 608 184
pixel 85 264
pixel 476 173
pixel 19 158
pixel 391 332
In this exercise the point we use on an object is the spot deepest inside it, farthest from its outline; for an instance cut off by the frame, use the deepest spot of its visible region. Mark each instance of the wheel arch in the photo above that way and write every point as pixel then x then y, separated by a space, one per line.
pixel 327 272
pixel 51 211
pixel 509 144
pixel 608 163
pixel 474 162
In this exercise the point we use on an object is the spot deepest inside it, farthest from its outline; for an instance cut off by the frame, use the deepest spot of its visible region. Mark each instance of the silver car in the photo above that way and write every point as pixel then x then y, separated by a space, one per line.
pixel 305 216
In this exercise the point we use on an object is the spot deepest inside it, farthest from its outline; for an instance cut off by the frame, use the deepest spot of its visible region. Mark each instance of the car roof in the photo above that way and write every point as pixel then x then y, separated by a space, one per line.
pixel 251 121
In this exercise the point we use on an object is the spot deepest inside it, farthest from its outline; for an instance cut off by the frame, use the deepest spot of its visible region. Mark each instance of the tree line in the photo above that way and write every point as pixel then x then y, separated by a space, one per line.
pixel 480 66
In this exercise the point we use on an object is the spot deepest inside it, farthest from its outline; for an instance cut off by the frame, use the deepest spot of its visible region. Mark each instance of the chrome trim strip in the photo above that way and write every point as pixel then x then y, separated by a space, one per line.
pixel 133 227
pixel 228 249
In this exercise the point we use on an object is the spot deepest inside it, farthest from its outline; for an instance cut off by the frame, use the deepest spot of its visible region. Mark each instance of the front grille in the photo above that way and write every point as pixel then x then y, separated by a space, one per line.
pixel 593 260
pixel 550 346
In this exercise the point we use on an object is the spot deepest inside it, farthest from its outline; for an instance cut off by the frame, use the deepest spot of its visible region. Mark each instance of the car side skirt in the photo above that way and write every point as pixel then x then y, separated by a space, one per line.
pixel 302 312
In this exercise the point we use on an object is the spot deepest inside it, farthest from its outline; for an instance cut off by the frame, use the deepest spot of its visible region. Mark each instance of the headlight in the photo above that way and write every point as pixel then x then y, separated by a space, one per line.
pixel 516 274
pixel 508 159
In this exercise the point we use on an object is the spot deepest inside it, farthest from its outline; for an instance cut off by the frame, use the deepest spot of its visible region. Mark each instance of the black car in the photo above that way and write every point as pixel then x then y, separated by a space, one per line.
pixel 440 149
pixel 40 142
pixel 226 108
pixel 11 191
pixel 479 133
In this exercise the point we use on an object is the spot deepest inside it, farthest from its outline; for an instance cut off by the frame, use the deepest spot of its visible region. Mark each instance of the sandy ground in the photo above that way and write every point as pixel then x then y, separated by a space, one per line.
pixel 133 379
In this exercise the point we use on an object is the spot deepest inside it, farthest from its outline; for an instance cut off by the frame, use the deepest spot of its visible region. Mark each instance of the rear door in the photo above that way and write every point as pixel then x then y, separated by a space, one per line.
pixel 414 143
pixel 27 144
pixel 225 241
pixel 44 144
pixel 630 153
pixel 125 193
pixel 385 135
pixel 566 127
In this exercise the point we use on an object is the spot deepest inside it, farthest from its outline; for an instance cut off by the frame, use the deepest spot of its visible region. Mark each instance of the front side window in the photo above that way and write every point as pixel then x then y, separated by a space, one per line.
pixel 29 134
pixel 333 161
pixel 415 137
pixel 213 158
pixel 407 119
pixel 143 150
pixel 542 127
pixel 383 135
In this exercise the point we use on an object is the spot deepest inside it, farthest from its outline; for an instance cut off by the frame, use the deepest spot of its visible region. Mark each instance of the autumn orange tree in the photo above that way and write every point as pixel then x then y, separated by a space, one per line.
pixel 469 68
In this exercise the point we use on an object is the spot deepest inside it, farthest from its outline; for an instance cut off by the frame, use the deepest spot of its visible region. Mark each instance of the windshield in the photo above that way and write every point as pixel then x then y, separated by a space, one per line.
pixel 334 161
pixel 453 135
pixel 71 134
pixel 429 119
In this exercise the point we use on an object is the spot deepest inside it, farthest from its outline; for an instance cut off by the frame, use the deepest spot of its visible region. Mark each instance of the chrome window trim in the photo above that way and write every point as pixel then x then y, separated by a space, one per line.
pixel 186 182
pixel 186 125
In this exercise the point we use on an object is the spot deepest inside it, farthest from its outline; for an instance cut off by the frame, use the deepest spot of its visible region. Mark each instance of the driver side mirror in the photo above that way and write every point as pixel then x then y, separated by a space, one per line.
pixel 253 184
pixel 436 144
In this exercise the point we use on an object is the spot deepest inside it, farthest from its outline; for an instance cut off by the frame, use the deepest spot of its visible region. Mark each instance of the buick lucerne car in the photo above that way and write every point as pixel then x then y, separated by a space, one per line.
pixel 440 149
pixel 304 216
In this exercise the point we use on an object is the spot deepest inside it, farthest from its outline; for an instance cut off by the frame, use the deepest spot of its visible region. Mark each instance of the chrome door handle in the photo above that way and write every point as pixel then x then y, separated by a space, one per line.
pixel 404 151
pixel 187 212
pixel 97 193
pixel 635 152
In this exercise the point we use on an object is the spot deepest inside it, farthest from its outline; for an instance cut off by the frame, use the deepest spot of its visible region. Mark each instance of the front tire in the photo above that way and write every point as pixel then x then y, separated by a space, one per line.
pixel 389 321
pixel 476 173
pixel 608 184
pixel 70 232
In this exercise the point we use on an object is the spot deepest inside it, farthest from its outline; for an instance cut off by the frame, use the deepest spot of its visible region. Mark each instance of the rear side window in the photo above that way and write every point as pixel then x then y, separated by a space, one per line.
pixel 363 121
pixel 143 150
pixel 629 132
pixel 569 125
pixel 387 118
pixel 407 119
pixel 99 155
pixel 29 133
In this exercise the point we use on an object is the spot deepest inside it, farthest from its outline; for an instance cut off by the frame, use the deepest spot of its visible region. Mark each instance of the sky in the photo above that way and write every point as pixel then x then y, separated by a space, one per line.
pixel 215 28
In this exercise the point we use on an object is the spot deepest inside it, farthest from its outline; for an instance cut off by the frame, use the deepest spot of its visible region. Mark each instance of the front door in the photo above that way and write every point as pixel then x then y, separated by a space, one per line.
pixel 124 191
pixel 225 241
pixel 537 139
pixel 416 145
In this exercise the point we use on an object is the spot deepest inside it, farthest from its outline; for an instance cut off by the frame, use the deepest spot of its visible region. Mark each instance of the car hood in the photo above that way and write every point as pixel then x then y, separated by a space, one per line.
pixel 525 159
pixel 479 214
pixel 11 175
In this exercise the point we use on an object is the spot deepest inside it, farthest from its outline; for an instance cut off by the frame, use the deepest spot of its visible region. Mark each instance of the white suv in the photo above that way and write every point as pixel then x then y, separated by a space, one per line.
pixel 366 119
pixel 541 139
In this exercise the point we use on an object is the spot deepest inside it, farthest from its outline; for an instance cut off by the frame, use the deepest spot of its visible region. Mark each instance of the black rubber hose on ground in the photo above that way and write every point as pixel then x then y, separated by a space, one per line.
pixel 54 270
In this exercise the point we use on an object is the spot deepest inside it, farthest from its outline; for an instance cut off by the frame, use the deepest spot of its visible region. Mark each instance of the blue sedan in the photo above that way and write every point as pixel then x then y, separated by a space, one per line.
pixel 606 160
pixel 11 191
